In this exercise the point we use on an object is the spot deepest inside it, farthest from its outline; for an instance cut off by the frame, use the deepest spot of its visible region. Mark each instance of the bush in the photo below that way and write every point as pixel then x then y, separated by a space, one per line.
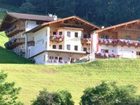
pixel 55 98
pixel 8 92
pixel 110 94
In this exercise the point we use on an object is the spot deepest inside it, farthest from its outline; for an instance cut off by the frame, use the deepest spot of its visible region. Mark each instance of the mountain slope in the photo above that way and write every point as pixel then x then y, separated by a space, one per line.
pixel 7 56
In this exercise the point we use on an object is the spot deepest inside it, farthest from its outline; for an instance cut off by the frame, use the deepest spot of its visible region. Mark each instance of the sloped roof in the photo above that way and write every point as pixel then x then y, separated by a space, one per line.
pixel 23 16
pixel 118 25
pixel 30 16
pixel 59 20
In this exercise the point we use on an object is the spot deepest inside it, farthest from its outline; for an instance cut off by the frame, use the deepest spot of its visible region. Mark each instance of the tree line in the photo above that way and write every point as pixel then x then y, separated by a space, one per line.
pixel 100 12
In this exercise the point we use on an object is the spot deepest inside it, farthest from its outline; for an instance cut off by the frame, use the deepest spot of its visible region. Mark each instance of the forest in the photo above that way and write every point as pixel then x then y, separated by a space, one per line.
pixel 100 12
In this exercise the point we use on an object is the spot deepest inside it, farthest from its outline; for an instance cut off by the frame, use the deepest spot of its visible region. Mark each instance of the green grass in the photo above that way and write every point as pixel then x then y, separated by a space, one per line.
pixel 74 78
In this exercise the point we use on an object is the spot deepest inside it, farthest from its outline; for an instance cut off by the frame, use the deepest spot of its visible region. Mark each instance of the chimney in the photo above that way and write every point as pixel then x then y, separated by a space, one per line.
pixel 55 17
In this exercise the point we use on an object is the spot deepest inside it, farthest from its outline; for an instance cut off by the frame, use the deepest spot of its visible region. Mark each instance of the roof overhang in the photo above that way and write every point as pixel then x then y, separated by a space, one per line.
pixel 118 26
pixel 22 16
pixel 94 27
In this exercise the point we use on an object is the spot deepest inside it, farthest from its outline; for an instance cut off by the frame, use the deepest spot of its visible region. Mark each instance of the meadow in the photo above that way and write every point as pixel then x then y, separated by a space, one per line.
pixel 74 78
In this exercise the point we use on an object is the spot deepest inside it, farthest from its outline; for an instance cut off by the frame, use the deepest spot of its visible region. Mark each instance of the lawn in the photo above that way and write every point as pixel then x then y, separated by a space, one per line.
pixel 74 78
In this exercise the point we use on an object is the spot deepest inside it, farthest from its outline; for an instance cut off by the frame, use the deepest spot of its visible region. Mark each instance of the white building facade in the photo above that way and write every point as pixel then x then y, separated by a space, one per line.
pixel 63 41
pixel 119 41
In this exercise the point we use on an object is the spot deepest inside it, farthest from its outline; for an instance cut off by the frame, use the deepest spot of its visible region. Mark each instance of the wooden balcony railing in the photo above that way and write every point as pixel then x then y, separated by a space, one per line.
pixel 14 43
pixel 57 38
pixel 121 42
pixel 13 30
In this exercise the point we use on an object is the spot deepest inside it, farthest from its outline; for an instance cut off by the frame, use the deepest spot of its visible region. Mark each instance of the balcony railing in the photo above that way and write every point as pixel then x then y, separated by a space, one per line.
pixel 14 43
pixel 86 41
pixel 13 30
pixel 57 38
pixel 121 42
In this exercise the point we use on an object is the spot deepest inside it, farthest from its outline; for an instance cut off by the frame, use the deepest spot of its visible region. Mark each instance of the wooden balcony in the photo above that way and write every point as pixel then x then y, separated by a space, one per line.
pixel 14 43
pixel 57 38
pixel 13 30
pixel 86 41
pixel 119 42
pixel 31 43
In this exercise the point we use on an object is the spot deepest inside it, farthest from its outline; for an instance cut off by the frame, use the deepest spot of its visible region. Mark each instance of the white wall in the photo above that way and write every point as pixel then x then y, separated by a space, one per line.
pixel 73 41
pixel 124 52
pixel 40 39
pixel 44 57
pixel 30 25
pixel 40 59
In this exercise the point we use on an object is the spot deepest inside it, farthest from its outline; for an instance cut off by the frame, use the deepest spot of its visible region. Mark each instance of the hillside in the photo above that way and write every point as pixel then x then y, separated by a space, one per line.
pixel 8 56
pixel 74 78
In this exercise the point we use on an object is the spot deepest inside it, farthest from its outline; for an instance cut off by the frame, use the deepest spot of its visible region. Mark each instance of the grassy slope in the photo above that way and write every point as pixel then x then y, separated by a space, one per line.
pixel 8 56
pixel 74 78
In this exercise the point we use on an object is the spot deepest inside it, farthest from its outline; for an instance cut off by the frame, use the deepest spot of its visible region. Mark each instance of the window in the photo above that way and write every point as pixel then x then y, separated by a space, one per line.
pixel 138 38
pixel 68 47
pixel 104 51
pixel 105 36
pixel 138 53
pixel 60 60
pixel 60 33
pixel 68 34
pixel 85 49
pixel 75 48
pixel 54 46
pixel 54 33
pixel 127 37
pixel 76 34
pixel 89 36
pixel 50 57
pixel 84 36
pixel 60 46
pixel 56 58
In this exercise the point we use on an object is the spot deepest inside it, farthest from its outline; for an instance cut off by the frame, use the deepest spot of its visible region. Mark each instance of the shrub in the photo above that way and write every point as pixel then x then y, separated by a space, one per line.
pixel 8 92
pixel 55 98
pixel 110 94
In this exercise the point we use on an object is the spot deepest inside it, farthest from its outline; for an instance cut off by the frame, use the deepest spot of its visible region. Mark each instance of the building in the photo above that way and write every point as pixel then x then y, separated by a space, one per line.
pixel 63 41
pixel 122 40
pixel 48 40
pixel 16 24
